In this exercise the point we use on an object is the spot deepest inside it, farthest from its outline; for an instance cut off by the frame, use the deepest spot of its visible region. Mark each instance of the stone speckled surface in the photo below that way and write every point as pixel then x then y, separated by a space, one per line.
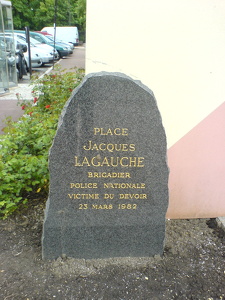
pixel 108 173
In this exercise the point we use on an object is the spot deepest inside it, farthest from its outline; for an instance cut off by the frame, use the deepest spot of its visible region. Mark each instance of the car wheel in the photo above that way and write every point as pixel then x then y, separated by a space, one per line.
pixel 26 67
pixel 60 55
pixel 20 68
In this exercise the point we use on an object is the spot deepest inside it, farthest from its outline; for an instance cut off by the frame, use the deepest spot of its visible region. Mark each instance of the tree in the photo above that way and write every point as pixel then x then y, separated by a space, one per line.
pixel 38 14
pixel 23 12
pixel 44 15
pixel 80 10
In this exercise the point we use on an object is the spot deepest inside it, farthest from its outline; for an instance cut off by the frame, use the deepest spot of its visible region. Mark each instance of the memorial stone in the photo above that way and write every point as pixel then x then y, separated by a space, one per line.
pixel 108 173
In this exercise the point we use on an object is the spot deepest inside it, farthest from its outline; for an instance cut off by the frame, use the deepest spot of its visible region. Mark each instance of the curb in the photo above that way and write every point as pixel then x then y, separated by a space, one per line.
pixel 23 88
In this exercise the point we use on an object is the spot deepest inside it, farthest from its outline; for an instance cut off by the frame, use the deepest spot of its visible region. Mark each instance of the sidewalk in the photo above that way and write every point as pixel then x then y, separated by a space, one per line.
pixel 8 101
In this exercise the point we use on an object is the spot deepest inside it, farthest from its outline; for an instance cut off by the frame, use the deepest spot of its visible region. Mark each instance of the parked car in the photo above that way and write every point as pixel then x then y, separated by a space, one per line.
pixel 62 50
pixel 36 60
pixel 7 59
pixel 45 52
pixel 19 49
pixel 20 61
pixel 51 38
pixel 64 44
pixel 69 46
pixel 46 48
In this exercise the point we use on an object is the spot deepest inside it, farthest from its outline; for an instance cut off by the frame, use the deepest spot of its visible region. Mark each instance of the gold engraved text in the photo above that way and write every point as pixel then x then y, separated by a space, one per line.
pixel 83 206
pixel 132 196
pixel 88 185
pixel 124 185
pixel 109 131
pixel 97 161
pixel 83 196
pixel 109 147
pixel 108 175
pixel 102 206
pixel 127 206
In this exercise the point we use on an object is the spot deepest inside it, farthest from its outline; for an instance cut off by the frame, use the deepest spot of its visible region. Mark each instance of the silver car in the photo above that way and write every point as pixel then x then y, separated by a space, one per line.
pixel 45 52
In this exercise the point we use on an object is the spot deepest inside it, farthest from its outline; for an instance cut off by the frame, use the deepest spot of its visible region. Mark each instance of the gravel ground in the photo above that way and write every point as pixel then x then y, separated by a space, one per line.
pixel 192 267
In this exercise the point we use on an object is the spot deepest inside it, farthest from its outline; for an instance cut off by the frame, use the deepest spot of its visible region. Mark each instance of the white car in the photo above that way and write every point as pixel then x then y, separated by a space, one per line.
pixel 36 59
pixel 36 56
pixel 45 52
pixel 49 49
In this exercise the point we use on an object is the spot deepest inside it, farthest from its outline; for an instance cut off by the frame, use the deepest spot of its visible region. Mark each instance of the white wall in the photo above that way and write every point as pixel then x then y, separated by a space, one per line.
pixel 176 48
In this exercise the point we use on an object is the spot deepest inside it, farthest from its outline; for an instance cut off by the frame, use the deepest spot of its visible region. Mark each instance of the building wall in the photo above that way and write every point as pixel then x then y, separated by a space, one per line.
pixel 177 49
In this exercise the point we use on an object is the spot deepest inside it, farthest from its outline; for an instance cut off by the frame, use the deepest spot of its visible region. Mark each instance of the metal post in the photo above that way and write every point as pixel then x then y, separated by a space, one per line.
pixel 27 30
pixel 55 18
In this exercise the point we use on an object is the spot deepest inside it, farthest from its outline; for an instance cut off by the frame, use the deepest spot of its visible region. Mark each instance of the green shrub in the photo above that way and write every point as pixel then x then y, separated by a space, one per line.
pixel 25 145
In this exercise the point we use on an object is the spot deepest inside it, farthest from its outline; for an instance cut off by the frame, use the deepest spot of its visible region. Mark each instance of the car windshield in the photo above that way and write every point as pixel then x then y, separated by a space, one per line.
pixel 52 39
pixel 44 38
pixel 12 43
pixel 49 38
pixel 20 40
pixel 35 42
pixel 32 41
